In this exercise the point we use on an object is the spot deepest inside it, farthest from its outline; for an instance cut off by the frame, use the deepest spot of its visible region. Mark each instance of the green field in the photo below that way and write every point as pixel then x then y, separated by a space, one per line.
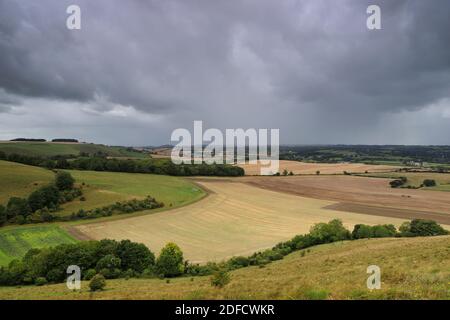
pixel 104 188
pixel 15 242
pixel 49 149
pixel 415 179
pixel 333 271
pixel 20 180
pixel 100 188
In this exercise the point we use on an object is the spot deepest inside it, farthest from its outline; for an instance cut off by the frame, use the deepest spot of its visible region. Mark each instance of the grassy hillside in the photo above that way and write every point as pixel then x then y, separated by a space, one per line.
pixel 49 149
pixel 334 271
pixel 101 188
pixel 104 188
pixel 15 242
pixel 20 180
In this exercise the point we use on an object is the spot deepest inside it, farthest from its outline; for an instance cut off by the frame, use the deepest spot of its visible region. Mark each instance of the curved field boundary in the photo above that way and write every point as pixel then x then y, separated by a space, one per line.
pixel 235 219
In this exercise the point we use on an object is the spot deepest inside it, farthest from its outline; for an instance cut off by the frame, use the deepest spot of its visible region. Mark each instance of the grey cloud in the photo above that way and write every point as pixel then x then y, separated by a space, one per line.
pixel 310 68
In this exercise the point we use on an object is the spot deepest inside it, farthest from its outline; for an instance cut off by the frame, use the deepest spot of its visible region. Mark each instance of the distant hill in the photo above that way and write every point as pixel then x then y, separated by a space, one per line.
pixel 51 149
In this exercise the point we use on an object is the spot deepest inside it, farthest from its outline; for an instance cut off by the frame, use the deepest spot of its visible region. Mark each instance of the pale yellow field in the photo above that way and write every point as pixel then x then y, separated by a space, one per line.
pixel 325 168
pixel 235 219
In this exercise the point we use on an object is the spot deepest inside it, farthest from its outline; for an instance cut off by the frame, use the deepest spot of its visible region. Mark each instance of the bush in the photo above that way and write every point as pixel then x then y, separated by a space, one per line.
pixel 329 232
pixel 40 281
pixel 422 228
pixel 97 283
pixel 170 261
pixel 90 274
pixel 429 183
pixel 220 279
pixel 64 181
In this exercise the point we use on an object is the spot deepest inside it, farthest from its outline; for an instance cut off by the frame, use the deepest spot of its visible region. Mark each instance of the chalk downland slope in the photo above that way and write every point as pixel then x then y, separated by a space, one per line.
pixel 19 180
pixel 334 271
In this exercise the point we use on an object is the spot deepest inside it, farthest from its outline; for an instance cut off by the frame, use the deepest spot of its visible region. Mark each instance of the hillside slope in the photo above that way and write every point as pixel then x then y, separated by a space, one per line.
pixel 20 180
pixel 50 149
pixel 411 268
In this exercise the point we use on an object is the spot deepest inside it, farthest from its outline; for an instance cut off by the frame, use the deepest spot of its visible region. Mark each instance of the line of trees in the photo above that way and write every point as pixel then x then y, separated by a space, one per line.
pixel 101 163
pixel 111 259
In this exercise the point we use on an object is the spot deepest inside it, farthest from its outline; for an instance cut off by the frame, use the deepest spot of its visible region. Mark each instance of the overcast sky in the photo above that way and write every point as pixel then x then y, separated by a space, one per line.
pixel 139 69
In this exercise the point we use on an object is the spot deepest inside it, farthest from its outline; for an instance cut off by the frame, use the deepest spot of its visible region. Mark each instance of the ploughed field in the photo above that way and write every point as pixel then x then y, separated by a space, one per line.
pixel 235 219
pixel 363 195
pixel 333 271
pixel 325 168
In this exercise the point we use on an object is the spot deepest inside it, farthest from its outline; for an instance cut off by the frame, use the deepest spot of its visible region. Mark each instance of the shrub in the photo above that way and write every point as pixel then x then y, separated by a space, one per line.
pixel 40 281
pixel 422 228
pixel 90 274
pixel 329 232
pixel 97 283
pixel 429 183
pixel 170 261
pixel 64 180
pixel 220 279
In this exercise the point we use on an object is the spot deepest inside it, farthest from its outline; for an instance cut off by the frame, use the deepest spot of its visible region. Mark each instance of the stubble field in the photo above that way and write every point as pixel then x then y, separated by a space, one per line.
pixel 235 219
pixel 325 168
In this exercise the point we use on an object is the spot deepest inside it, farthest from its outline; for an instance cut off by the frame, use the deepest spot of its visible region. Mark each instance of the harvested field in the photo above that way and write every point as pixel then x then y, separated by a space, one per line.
pixel 235 219
pixel 325 168
pixel 361 190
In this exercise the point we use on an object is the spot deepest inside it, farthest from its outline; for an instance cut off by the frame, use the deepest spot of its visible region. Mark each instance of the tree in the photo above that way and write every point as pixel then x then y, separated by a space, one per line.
pixel 109 262
pixel 17 207
pixel 317 172
pixel 44 197
pixel 135 256
pixel 170 261
pixel 425 228
pixel 97 283
pixel 329 232
pixel 64 181
pixel 3 217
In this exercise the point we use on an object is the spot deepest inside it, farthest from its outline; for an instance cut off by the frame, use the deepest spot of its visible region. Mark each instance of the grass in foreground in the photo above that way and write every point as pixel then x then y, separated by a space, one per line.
pixel 411 268
pixel 20 180
pixel 15 242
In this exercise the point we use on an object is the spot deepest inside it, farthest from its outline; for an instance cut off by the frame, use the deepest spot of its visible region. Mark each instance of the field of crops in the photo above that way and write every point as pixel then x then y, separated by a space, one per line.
pixel 307 168
pixel 235 219
pixel 16 241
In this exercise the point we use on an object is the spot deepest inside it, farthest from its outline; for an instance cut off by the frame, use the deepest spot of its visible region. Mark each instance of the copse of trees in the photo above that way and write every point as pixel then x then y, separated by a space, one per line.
pixel 42 202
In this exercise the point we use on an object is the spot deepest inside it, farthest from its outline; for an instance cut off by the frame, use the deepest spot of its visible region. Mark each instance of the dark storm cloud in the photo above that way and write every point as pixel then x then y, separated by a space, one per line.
pixel 310 68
